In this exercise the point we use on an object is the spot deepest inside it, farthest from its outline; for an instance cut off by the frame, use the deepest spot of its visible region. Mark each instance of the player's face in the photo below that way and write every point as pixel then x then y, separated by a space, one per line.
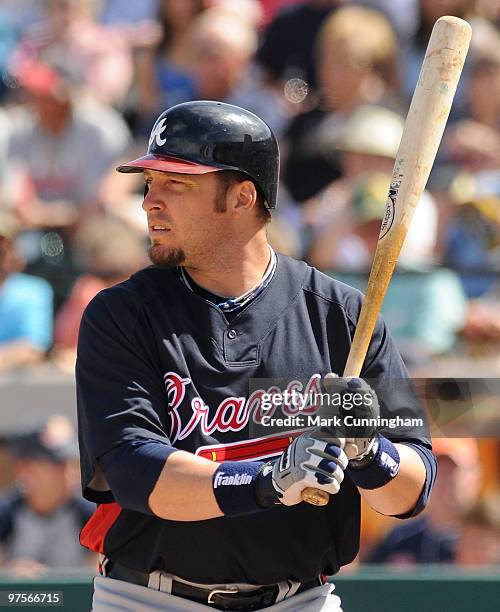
pixel 184 225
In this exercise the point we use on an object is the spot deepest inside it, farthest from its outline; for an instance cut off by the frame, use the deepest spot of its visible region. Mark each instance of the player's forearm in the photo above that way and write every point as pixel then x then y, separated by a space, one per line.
pixel 184 490
pixel 400 495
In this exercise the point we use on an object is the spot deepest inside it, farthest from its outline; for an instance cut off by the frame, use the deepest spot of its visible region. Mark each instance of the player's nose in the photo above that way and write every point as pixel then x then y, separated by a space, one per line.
pixel 152 200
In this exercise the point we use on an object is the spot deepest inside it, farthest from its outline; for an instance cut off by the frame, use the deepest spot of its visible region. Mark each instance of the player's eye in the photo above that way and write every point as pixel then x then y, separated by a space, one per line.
pixel 177 185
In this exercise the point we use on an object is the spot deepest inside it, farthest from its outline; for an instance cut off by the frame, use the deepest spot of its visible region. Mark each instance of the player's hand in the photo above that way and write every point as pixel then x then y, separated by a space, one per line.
pixel 359 439
pixel 308 462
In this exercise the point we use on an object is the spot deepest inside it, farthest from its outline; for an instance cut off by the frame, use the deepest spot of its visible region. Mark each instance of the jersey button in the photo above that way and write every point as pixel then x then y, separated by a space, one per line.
pixel 231 334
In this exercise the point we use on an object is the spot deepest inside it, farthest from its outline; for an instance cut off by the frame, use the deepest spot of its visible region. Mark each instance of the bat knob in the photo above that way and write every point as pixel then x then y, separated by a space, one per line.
pixel 315 497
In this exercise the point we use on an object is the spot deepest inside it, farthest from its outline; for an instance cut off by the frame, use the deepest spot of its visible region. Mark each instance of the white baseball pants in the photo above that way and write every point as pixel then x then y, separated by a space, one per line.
pixel 116 595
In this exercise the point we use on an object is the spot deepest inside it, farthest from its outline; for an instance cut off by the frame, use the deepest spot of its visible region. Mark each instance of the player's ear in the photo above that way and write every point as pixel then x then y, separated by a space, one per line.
pixel 244 195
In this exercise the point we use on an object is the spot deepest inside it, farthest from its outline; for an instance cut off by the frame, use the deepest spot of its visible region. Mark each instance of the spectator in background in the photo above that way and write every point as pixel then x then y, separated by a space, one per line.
pixel 473 236
pixel 162 70
pixel 432 537
pixel 5 127
pixel 41 517
pixel 469 146
pixel 470 154
pixel 473 248
pixel 287 45
pixel 117 12
pixel 222 48
pixel 483 86
pixel 429 12
pixel 425 307
pixel 59 149
pixel 365 146
pixel 473 144
pixel 469 179
pixel 103 266
pixel 270 8
pixel 248 10
pixel 68 29
pixel 25 306
pixel 402 14
pixel 479 541
pixel 8 40
pixel 489 10
pixel 22 13
pixel 355 58
pixel 122 199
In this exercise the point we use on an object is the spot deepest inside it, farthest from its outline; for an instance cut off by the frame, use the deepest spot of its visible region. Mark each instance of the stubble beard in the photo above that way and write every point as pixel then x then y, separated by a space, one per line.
pixel 165 257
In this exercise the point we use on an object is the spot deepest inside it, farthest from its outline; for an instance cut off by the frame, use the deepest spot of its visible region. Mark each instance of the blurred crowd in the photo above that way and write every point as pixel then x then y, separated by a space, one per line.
pixel 41 510
pixel 460 526
pixel 81 82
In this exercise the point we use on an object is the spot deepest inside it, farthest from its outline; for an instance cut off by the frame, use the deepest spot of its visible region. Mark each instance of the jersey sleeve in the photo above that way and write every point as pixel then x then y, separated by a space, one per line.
pixel 120 397
pixel 430 463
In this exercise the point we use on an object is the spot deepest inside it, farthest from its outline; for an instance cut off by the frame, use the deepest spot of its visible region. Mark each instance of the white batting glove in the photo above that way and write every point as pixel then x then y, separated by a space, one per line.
pixel 307 462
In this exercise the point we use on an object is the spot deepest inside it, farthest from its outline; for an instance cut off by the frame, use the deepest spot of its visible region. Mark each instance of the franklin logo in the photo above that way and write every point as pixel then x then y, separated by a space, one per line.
pixel 156 133
pixel 235 480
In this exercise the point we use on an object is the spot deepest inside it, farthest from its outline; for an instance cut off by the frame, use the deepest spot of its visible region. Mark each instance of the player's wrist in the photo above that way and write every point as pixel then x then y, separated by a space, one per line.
pixel 378 467
pixel 240 489
pixel 265 491
pixel 363 460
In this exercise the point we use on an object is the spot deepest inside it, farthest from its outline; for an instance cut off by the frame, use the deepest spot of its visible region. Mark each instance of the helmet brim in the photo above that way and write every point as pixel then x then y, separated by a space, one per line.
pixel 164 163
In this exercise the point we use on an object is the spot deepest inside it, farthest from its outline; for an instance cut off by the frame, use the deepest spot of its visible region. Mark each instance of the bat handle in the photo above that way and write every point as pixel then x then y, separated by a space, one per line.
pixel 315 497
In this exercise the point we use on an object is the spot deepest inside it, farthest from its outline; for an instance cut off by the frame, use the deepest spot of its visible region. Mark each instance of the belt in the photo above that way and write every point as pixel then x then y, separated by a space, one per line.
pixel 220 599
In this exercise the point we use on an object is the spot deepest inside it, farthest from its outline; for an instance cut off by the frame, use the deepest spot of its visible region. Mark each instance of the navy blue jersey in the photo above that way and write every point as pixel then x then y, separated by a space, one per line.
pixel 159 362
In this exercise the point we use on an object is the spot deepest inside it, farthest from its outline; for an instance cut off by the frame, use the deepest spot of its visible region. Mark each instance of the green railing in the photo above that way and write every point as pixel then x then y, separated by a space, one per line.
pixel 76 589
pixel 426 589
pixel 430 589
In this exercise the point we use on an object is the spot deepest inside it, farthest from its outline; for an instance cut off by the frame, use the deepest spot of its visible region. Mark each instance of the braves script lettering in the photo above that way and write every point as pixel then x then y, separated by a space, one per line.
pixel 232 414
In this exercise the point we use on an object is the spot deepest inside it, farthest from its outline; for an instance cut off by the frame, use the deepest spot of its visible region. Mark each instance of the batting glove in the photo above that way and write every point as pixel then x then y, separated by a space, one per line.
pixel 308 462
pixel 360 439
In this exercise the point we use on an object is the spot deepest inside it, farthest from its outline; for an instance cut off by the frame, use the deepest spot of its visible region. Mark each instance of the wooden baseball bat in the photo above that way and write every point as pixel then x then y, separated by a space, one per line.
pixel 423 130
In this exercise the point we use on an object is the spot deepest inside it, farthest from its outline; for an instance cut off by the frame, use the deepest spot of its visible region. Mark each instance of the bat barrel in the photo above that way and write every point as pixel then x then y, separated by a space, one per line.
pixel 424 127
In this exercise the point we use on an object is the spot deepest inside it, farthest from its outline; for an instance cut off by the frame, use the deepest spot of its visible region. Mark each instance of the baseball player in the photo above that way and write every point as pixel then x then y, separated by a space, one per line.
pixel 194 510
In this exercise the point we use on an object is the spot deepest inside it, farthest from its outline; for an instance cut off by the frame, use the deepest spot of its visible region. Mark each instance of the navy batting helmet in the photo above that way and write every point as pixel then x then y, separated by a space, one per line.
pixel 204 136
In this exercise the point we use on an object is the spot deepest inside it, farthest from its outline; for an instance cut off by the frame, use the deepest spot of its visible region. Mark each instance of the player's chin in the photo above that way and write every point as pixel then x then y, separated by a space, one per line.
pixel 166 257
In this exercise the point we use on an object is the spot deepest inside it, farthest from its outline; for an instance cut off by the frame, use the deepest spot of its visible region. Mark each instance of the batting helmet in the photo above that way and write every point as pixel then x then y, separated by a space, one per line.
pixel 203 136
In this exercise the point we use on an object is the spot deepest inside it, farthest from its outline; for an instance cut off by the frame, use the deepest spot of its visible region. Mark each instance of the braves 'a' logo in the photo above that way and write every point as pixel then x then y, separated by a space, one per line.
pixel 156 133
